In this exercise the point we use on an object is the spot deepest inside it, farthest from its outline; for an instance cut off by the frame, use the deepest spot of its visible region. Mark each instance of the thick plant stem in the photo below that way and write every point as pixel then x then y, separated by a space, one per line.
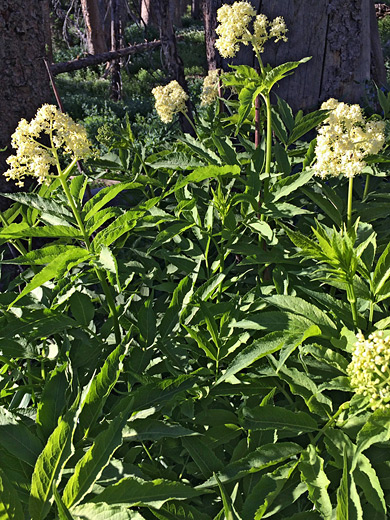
pixel 99 273
pixel 191 123
pixel 331 421
pixel 352 301
pixel 366 187
pixel 349 206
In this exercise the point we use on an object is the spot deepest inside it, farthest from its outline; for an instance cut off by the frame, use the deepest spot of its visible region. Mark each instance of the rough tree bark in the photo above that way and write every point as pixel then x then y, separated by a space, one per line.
pixel 210 7
pixel 172 60
pixel 196 9
pixel 93 26
pixel 25 84
pixel 148 15
pixel 342 38
pixel 116 80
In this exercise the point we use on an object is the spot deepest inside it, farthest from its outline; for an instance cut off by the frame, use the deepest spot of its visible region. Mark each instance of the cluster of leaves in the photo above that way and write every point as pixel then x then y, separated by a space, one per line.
pixel 217 388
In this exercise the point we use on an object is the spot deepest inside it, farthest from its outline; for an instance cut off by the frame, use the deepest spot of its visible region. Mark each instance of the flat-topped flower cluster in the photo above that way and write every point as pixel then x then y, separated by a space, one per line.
pixel 234 28
pixel 369 370
pixel 35 157
pixel 170 100
pixel 345 139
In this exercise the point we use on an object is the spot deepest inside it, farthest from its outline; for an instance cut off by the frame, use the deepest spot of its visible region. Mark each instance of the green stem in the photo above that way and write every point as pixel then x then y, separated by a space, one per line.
pixel 191 122
pixel 366 186
pixel 332 420
pixel 349 207
pixel 371 316
pixel 352 301
pixel 99 272
pixel 16 243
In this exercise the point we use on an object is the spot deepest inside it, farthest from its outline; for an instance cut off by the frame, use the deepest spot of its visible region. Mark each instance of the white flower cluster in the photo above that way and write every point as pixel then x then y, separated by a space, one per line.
pixel 33 156
pixel 345 139
pixel 170 100
pixel 234 28
pixel 210 87
pixel 369 370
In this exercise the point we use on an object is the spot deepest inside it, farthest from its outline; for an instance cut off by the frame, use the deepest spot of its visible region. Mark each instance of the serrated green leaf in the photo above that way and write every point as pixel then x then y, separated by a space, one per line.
pixel 304 308
pixel 56 268
pixel 259 459
pixel 17 439
pixel 101 387
pixel 52 402
pixel 41 256
pixel 311 467
pixel 382 271
pixel 101 217
pixel 263 494
pixel 50 464
pixel 203 456
pixel 105 195
pixel 63 511
pixel 201 150
pixel 154 430
pixel 103 511
pixel 289 184
pixel 33 200
pixel 136 491
pixel 82 308
pixel 278 73
pixel 89 468
pixel 376 429
pixel 78 186
pixel 23 230
pixel 367 479
pixel 206 172
pixel 116 229
pixel 307 123
pixel 277 418
pixel 10 505
pixel 260 348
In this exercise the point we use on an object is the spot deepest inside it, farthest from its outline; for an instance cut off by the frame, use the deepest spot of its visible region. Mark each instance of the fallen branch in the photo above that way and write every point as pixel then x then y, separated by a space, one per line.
pixel 96 59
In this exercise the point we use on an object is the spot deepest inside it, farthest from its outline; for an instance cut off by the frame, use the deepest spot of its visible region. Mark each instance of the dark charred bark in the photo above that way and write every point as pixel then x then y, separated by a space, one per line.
pixel 343 40
pixel 93 27
pixel 172 60
pixel 25 84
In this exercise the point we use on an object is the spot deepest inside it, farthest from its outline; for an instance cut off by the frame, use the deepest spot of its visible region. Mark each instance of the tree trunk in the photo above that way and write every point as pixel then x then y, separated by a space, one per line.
pixel 342 38
pixel 210 7
pixel 93 27
pixel 148 15
pixel 25 84
pixel 196 9
pixel 172 61
pixel 116 80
